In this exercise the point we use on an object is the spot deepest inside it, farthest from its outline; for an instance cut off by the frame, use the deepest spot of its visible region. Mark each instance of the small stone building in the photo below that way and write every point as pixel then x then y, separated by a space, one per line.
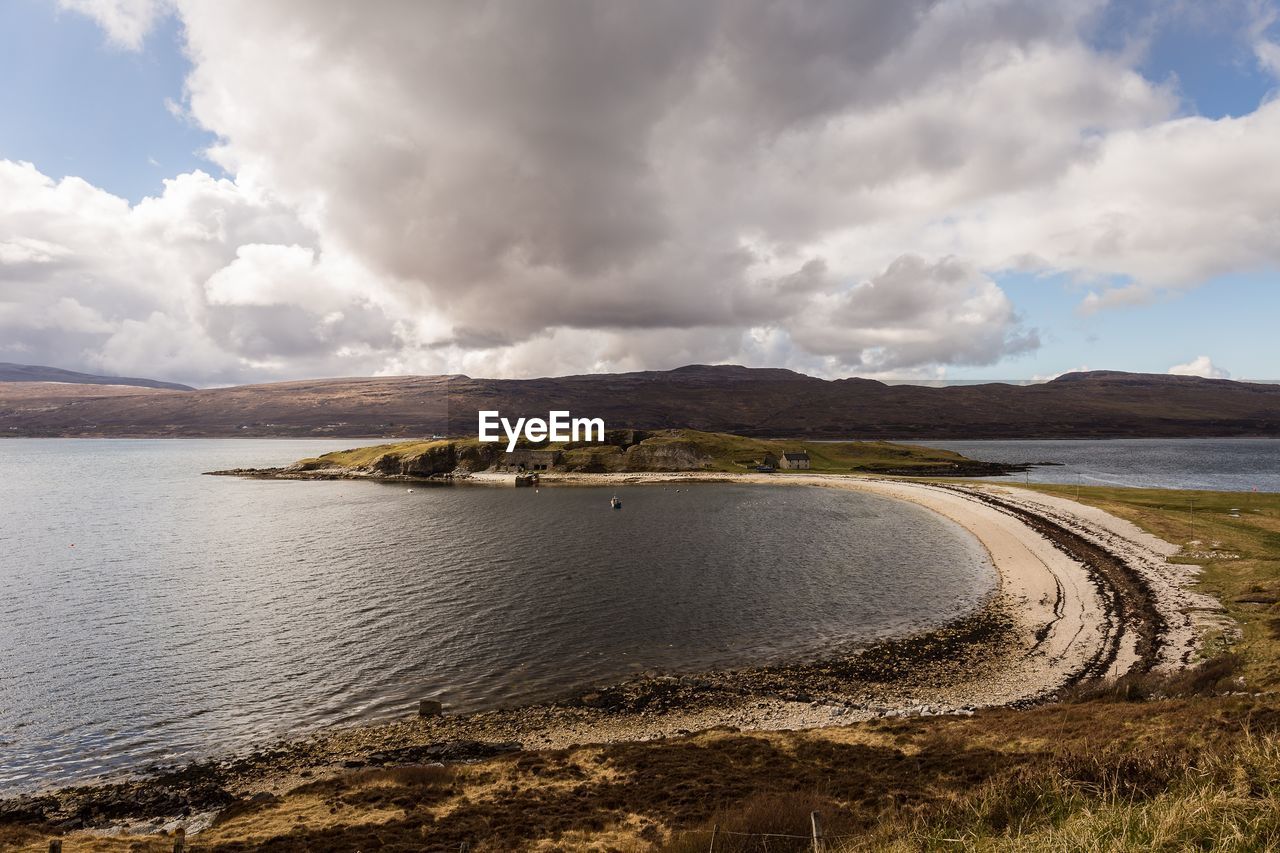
pixel 798 461
pixel 521 461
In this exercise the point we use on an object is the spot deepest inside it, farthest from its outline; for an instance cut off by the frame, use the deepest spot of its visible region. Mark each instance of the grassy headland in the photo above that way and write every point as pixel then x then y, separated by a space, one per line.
pixel 651 450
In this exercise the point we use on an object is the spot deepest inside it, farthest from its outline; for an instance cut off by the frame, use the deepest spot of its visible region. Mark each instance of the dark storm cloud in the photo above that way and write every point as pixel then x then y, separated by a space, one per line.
pixel 565 164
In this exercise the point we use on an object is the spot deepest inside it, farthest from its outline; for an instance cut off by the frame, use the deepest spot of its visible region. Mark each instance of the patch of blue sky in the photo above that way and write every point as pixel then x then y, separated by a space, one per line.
pixel 1204 50
pixel 74 104
pixel 1224 318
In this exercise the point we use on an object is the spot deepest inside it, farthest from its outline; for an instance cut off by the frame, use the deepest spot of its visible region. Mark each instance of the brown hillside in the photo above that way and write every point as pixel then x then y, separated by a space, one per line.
pixel 759 402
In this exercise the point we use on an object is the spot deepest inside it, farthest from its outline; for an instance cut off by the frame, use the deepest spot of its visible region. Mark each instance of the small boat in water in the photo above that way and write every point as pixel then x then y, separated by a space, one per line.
pixel 615 502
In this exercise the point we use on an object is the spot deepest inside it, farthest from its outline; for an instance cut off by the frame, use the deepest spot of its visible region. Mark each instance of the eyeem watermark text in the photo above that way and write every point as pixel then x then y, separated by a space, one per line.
pixel 558 426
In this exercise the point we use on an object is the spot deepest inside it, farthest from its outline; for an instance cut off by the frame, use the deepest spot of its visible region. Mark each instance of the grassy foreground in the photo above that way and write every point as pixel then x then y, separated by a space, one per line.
pixel 1185 763
pixel 1198 773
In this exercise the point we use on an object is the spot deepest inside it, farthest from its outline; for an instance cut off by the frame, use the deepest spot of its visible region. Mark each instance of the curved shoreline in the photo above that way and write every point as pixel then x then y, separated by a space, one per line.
pixel 1081 594
pixel 1090 595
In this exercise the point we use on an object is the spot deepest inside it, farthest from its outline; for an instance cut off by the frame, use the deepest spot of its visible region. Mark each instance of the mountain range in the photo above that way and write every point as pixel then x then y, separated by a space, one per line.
pixel 763 402
pixel 38 373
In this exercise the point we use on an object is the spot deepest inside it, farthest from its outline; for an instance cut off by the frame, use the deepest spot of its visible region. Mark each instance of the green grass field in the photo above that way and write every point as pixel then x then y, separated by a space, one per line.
pixel 735 453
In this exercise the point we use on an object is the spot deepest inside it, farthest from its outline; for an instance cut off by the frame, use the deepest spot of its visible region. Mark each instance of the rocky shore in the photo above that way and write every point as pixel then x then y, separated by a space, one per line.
pixel 924 675
pixel 1082 595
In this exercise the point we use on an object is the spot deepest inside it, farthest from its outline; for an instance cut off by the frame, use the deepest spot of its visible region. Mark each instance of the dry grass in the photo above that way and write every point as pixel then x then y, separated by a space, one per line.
pixel 1000 779
pixel 1147 801
pixel 363 457
pixel 1212 677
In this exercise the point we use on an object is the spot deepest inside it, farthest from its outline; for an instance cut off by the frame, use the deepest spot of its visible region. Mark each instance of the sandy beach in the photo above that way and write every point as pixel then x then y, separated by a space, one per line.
pixel 1066 618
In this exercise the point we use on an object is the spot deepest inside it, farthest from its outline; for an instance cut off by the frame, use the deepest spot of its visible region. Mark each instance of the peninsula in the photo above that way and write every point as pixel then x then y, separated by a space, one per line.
pixel 630 451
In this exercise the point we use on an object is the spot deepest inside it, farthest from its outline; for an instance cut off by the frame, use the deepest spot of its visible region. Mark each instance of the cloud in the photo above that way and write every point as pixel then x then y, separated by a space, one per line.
pixel 649 168
pixel 126 22
pixel 1161 208
pixel 1262 21
pixel 915 313
pixel 1268 53
pixel 522 189
pixel 1200 366
pixel 208 283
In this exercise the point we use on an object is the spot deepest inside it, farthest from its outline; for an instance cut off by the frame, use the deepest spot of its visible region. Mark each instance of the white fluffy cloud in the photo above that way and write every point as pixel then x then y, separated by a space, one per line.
pixel 914 313
pixel 1162 207
pixel 525 189
pixel 1200 366
pixel 206 282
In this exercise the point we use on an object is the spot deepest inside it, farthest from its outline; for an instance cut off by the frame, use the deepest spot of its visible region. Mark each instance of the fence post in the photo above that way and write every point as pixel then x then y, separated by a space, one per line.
pixel 715 830
pixel 55 846
pixel 816 821
pixel 464 847
pixel 179 840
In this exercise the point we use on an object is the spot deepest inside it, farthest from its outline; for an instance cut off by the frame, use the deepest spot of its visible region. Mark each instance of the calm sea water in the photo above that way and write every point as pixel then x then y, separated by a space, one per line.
pixel 151 614
pixel 1217 464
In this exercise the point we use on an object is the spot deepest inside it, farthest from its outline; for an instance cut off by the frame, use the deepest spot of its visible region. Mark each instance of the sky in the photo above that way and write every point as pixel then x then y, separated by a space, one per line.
pixel 227 191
